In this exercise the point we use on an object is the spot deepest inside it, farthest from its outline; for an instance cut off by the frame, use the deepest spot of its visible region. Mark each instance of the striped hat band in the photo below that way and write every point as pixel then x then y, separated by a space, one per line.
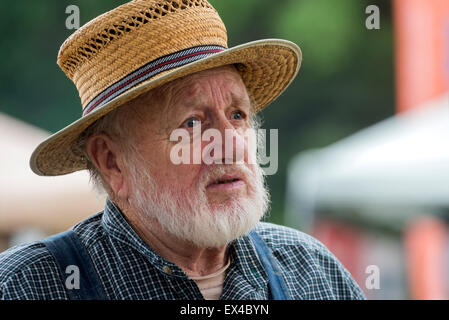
pixel 150 70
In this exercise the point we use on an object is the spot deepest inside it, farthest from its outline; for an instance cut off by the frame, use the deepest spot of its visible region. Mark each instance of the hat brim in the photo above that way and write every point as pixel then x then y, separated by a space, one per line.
pixel 269 66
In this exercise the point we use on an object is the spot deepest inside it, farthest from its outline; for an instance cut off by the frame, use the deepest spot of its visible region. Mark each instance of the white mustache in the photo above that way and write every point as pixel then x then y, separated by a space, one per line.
pixel 217 171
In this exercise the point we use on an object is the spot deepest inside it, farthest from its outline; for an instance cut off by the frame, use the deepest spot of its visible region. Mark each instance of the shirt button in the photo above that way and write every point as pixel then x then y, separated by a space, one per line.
pixel 167 270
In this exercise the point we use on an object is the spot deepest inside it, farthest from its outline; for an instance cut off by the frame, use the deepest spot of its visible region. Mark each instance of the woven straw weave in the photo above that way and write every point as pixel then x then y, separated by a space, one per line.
pixel 113 44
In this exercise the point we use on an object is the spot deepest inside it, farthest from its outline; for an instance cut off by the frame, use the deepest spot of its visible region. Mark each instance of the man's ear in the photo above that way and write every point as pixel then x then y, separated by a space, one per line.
pixel 105 155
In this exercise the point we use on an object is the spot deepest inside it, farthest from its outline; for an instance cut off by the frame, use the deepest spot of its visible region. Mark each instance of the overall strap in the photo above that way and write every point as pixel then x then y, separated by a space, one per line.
pixel 276 283
pixel 68 250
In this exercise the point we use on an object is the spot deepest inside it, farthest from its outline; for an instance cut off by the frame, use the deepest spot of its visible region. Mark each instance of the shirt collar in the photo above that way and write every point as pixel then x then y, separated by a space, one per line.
pixel 242 251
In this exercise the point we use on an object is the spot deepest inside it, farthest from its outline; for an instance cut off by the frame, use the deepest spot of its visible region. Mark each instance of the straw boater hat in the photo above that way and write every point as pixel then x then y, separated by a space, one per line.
pixel 143 44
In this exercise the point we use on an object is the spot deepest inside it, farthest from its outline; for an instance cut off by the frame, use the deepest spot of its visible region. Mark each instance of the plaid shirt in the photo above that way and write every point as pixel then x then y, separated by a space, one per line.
pixel 129 269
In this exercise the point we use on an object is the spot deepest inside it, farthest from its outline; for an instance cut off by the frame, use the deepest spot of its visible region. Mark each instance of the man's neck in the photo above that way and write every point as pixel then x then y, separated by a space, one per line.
pixel 194 261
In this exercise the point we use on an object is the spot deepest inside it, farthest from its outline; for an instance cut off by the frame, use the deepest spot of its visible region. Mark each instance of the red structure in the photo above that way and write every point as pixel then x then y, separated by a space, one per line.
pixel 422 74
pixel 422 51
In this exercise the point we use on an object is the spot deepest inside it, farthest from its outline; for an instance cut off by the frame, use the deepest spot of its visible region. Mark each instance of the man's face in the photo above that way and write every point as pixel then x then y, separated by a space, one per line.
pixel 208 204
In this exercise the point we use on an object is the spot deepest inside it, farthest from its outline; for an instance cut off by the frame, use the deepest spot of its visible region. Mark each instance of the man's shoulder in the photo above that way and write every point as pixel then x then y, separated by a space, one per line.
pixel 278 236
pixel 300 253
pixel 27 269
pixel 29 272
pixel 291 242
pixel 21 258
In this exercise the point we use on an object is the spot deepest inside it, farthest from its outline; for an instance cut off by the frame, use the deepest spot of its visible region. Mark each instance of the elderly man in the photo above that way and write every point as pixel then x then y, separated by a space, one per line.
pixel 171 230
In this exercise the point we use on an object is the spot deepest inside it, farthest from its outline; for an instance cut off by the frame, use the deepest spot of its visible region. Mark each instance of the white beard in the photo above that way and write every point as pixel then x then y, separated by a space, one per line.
pixel 190 217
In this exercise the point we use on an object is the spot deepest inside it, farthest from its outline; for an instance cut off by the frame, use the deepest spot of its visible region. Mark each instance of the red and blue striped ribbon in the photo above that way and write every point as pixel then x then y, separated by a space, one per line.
pixel 149 70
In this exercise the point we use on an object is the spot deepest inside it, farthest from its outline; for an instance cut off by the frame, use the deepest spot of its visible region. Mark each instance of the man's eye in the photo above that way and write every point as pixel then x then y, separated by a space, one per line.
pixel 238 115
pixel 192 122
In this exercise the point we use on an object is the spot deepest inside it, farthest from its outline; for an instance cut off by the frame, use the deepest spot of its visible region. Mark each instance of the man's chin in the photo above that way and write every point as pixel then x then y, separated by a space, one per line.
pixel 220 225
pixel 219 200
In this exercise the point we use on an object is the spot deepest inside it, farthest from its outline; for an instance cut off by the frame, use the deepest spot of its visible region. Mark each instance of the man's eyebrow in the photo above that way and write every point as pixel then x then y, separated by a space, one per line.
pixel 241 101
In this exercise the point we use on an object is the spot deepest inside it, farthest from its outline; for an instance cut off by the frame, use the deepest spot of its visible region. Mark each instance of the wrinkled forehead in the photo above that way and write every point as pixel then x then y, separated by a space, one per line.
pixel 219 83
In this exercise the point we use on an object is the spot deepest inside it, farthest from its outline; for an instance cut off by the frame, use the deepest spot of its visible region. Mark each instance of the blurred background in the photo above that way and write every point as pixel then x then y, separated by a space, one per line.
pixel 363 130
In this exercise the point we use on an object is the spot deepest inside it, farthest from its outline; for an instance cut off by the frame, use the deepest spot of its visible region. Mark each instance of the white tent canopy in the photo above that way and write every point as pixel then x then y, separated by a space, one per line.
pixel 30 201
pixel 400 162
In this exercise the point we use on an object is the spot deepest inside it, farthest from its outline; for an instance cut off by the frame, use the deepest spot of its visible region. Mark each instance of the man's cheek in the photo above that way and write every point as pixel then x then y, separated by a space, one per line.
pixel 250 139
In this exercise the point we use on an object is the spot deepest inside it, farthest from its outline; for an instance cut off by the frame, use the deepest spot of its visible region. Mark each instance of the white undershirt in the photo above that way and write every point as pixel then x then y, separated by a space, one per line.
pixel 211 285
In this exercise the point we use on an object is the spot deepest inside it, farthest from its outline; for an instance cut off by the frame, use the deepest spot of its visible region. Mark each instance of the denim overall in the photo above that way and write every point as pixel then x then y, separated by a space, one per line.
pixel 68 250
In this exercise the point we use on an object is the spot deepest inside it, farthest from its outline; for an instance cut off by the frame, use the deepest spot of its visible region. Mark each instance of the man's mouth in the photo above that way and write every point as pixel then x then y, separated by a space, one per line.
pixel 226 182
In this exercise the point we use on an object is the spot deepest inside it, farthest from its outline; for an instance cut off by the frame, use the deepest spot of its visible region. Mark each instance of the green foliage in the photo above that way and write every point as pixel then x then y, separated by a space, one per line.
pixel 326 30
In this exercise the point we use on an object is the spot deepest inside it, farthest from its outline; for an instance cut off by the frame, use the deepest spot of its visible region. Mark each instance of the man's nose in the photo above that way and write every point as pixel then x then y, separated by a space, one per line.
pixel 229 140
